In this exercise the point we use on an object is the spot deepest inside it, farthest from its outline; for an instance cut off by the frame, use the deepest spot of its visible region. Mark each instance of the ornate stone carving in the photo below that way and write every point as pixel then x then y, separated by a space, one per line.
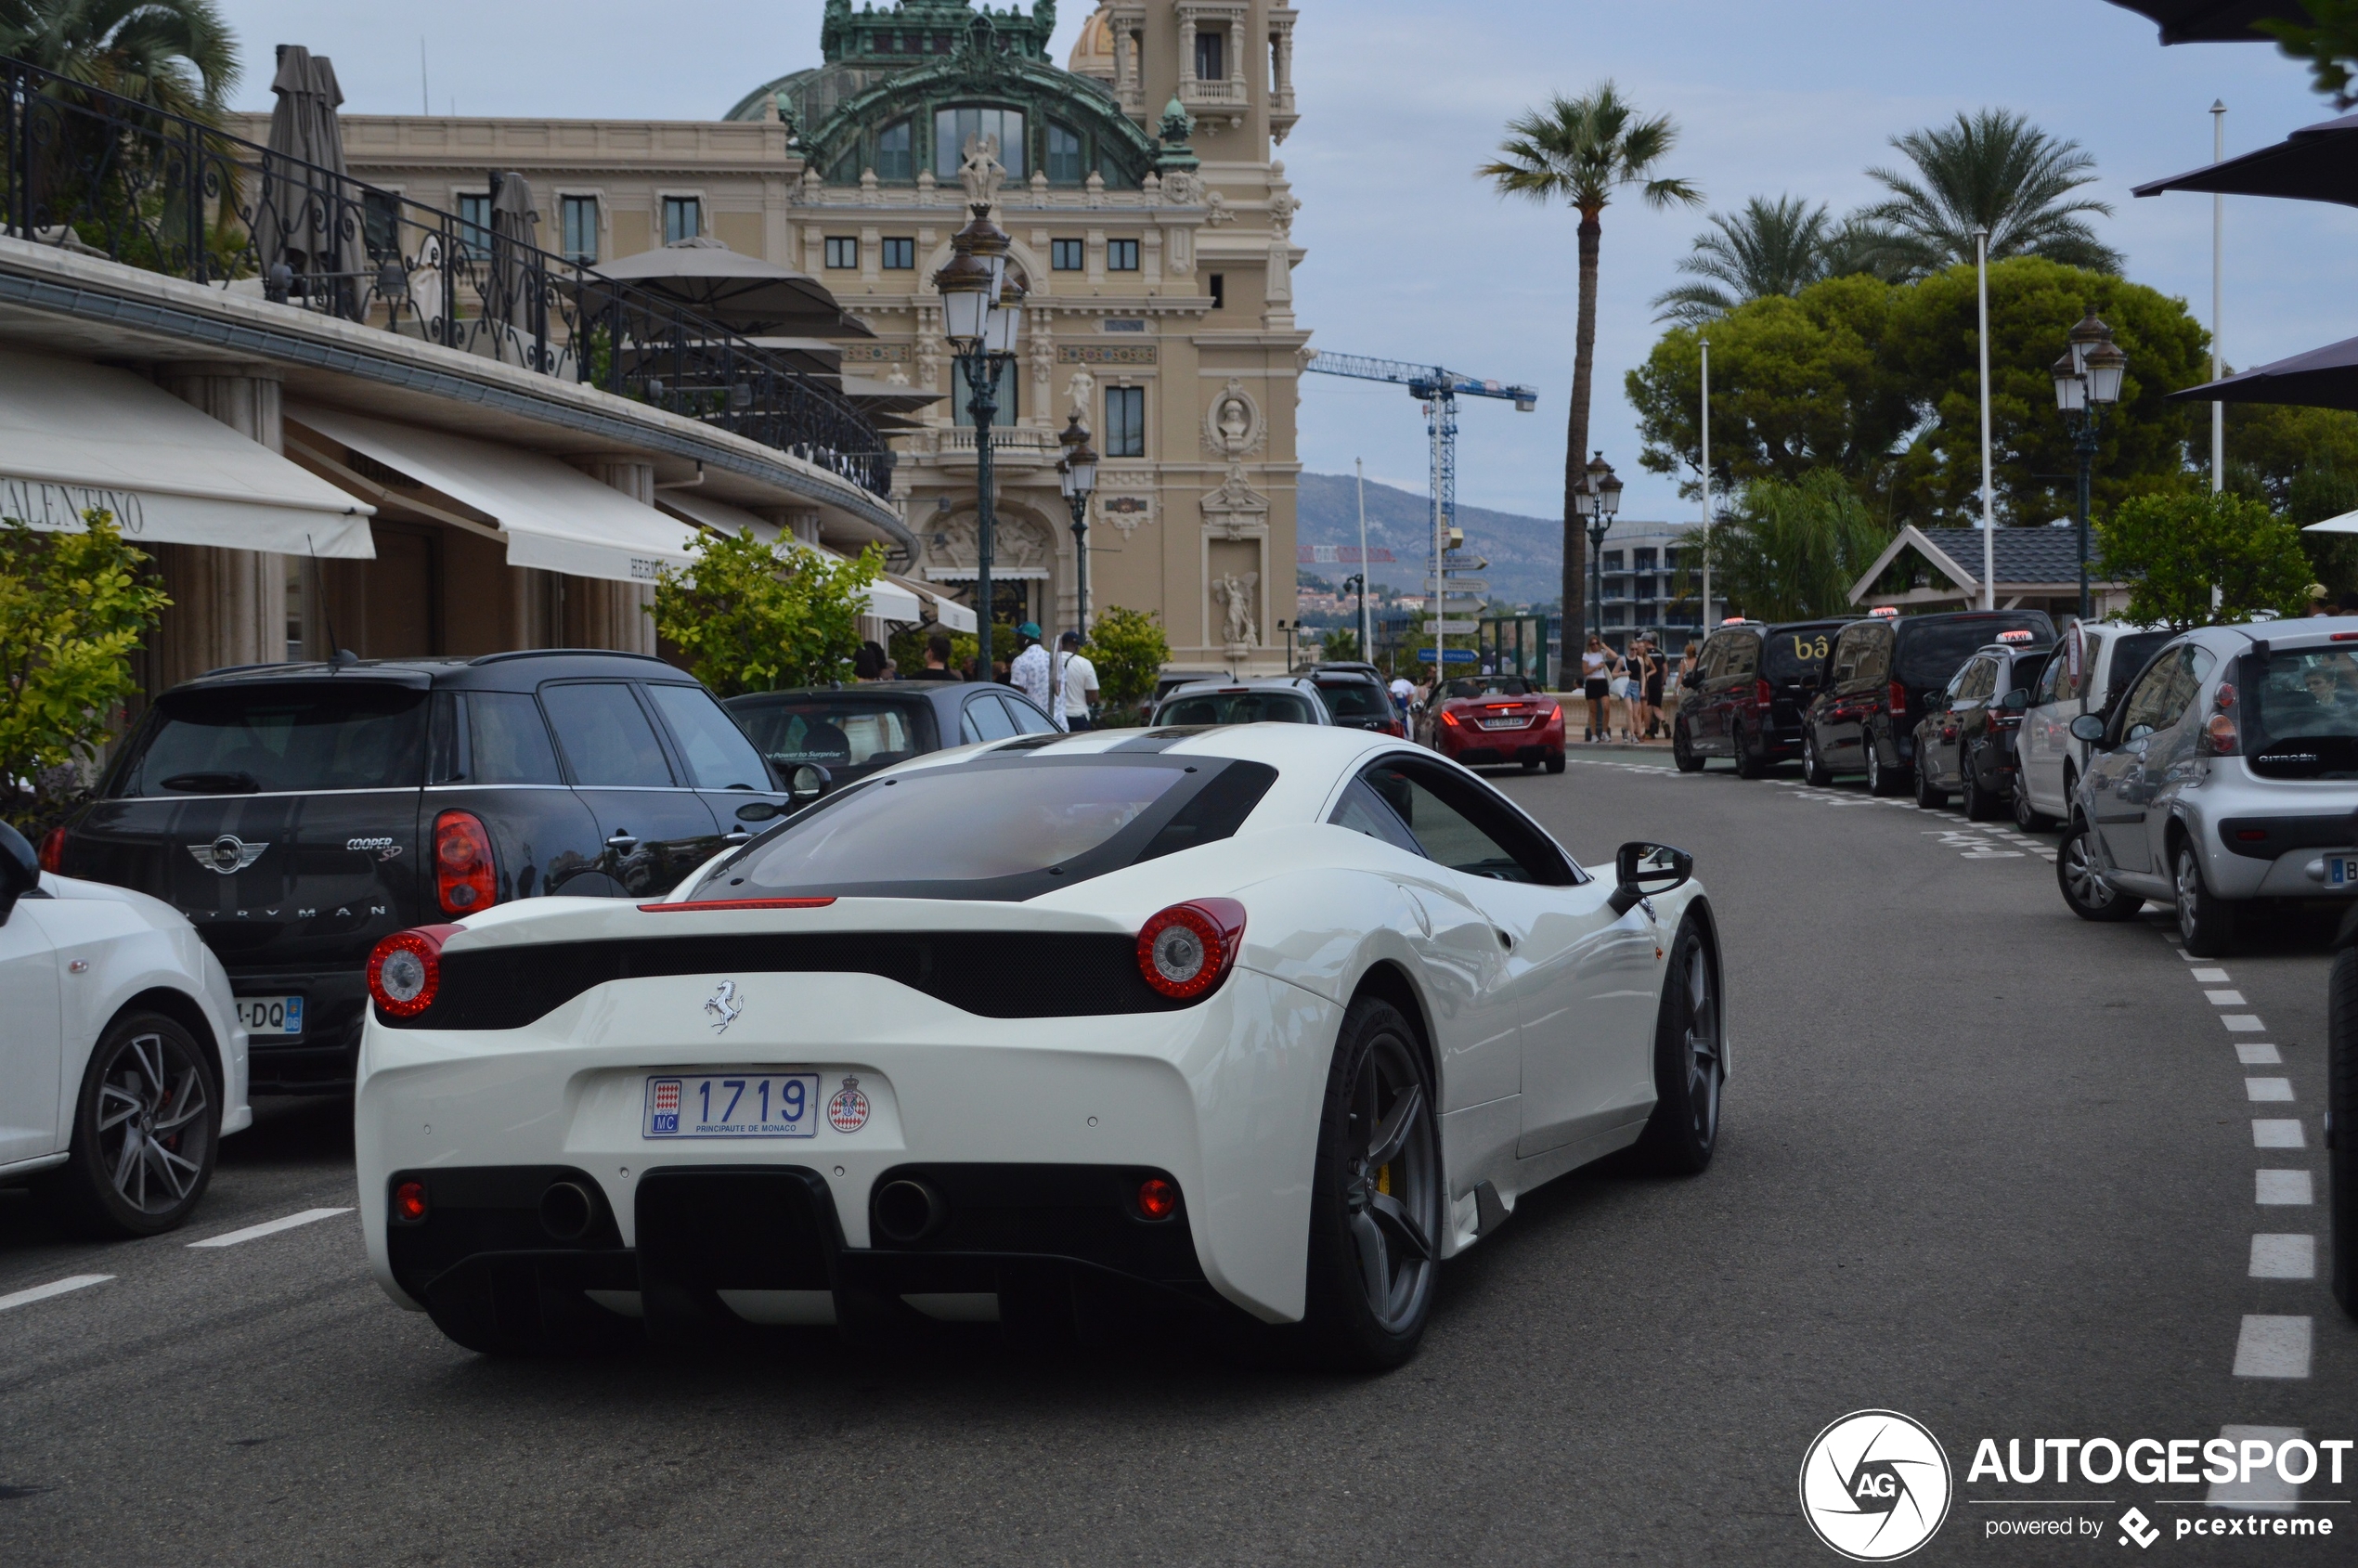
pixel 1081 392
pixel 1126 513
pixel 1283 205
pixel 1236 510
pixel 1233 425
pixel 1042 352
pixel 1234 595
pixel 980 171
pixel 1218 212
pixel 1020 542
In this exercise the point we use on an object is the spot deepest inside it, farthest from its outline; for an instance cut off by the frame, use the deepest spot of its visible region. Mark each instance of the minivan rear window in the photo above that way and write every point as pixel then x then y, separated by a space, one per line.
pixel 1795 653
pixel 1930 654
pixel 2301 722
pixel 301 735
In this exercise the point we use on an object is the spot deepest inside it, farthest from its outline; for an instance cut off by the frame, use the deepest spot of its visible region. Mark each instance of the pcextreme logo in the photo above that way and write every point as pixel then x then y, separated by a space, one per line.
pixel 1876 1485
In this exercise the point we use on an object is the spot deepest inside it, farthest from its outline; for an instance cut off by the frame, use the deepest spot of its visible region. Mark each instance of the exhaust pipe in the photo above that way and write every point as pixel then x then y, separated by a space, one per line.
pixel 907 1212
pixel 567 1210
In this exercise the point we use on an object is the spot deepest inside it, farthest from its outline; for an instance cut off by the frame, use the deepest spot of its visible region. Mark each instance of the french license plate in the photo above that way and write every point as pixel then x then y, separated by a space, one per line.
pixel 732 1104
pixel 1504 724
pixel 2341 870
pixel 271 1015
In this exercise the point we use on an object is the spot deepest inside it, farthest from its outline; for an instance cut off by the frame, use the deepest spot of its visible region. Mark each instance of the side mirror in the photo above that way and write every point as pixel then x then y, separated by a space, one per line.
pixel 808 783
pixel 2089 727
pixel 20 870
pixel 2016 700
pixel 759 810
pixel 1643 869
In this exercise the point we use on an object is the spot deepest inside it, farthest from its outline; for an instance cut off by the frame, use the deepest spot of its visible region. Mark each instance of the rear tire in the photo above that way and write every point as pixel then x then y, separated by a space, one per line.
pixel 2028 818
pixel 1750 764
pixel 1683 750
pixel 1929 796
pixel 1375 1208
pixel 2081 880
pixel 146 1127
pixel 2341 1125
pixel 1813 767
pixel 1691 1066
pixel 1882 781
pixel 2206 922
pixel 1556 762
pixel 1978 804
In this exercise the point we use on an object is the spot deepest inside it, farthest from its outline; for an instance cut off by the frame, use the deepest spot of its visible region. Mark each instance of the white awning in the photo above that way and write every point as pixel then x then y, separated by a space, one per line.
pixel 888 599
pixel 75 436
pixel 953 616
pixel 557 518
pixel 2345 524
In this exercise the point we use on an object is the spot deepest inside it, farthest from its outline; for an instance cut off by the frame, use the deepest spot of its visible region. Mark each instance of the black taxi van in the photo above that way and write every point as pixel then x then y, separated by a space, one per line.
pixel 1752 684
pixel 297 813
pixel 1879 675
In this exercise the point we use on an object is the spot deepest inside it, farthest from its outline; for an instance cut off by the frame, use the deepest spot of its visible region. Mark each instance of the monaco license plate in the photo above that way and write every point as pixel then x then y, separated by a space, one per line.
pixel 2341 870
pixel 1504 724
pixel 732 1104
pixel 271 1015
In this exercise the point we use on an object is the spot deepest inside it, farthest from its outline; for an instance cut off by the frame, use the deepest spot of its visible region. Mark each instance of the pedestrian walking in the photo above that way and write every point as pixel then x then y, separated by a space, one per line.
pixel 1657 673
pixel 936 667
pixel 1078 679
pixel 1596 678
pixel 1032 675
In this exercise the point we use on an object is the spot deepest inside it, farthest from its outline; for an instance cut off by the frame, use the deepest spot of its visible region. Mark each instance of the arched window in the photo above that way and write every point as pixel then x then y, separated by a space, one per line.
pixel 893 157
pixel 952 126
pixel 1065 162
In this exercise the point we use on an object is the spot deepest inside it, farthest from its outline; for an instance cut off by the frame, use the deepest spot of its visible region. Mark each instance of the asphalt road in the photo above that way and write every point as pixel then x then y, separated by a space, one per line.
pixel 1982 1163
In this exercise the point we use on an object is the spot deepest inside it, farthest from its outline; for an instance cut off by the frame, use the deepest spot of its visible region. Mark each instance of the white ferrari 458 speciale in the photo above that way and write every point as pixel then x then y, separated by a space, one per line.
pixel 1258 1023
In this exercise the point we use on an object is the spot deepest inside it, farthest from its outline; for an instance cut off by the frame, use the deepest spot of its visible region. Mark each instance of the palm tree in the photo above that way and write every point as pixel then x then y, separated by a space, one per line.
pixel 1580 151
pixel 1992 170
pixel 1772 247
pixel 178 55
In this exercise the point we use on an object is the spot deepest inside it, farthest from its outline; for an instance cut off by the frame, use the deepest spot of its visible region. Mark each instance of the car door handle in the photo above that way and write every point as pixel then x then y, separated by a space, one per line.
pixel 621 839
pixel 1505 939
pixel 738 836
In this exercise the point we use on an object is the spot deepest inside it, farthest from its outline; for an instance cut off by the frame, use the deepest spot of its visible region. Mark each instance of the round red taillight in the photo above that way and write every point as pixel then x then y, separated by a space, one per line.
pixel 1157 1200
pixel 409 1203
pixel 1184 952
pixel 406 970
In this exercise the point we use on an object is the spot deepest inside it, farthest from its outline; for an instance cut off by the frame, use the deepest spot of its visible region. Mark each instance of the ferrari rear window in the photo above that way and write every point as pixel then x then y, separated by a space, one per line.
pixel 1007 825
pixel 1237 708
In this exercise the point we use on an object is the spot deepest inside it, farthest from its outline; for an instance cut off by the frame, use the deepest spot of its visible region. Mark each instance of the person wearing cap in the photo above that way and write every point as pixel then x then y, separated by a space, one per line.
pixel 1032 675
pixel 1077 677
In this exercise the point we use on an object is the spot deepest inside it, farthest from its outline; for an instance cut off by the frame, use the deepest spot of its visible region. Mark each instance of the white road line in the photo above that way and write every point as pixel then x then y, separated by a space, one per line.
pixel 2272 1347
pixel 2283 1257
pixel 2257 1089
pixel 2253 1055
pixel 2283 1189
pixel 2208 977
pixel 2267 1491
pixel 270 1228
pixel 2269 1133
pixel 2182 953
pixel 2225 998
pixel 2242 1023
pixel 55 1287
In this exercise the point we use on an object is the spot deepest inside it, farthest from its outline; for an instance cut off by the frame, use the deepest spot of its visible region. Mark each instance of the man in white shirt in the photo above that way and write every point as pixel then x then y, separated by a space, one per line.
pixel 1078 679
pixel 1030 673
pixel 1402 691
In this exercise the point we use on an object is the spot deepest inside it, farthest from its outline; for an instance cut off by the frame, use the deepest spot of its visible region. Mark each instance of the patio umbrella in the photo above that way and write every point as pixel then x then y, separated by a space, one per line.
pixel 2316 163
pixel 2215 21
pixel 308 220
pixel 2323 378
pixel 736 291
pixel 509 297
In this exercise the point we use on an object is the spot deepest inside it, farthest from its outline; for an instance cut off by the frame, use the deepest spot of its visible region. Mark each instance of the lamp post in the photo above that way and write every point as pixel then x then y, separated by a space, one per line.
pixel 981 314
pixel 1077 476
pixel 1357 583
pixel 2087 381
pixel 1601 495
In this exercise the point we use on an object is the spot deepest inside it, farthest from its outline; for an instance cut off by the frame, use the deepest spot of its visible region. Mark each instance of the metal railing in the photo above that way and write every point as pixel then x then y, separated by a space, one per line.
pixel 99 174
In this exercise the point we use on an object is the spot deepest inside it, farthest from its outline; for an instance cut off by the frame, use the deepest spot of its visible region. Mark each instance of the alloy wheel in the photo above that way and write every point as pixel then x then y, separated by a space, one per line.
pixel 2189 896
pixel 151 1123
pixel 1699 1052
pixel 2081 878
pixel 1392 1182
pixel 1875 768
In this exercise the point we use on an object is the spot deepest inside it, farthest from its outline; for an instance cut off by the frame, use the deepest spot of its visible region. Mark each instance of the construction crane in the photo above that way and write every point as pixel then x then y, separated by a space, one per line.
pixel 1438 390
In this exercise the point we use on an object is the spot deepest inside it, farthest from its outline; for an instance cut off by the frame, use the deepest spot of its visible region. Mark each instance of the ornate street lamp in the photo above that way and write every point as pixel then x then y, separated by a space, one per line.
pixel 2088 380
pixel 982 317
pixel 1601 496
pixel 1077 476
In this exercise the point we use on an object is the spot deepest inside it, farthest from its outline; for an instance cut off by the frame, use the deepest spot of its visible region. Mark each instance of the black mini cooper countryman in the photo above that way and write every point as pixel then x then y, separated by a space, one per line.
pixel 298 813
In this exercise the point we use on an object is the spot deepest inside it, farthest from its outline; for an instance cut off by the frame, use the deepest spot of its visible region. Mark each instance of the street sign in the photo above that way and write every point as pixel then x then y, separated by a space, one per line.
pixel 1450 628
pixel 1448 655
pixel 1462 586
pixel 1475 564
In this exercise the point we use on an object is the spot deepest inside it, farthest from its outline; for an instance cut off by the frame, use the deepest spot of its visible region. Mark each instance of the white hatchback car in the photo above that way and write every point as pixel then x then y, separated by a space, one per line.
pixel 2091 664
pixel 123 1063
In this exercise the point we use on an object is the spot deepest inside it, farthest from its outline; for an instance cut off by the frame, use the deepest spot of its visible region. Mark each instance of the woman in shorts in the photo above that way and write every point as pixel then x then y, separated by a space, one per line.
pixel 1596 676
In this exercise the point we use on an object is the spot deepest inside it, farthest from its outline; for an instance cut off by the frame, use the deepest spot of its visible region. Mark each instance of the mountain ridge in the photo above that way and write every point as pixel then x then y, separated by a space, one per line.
pixel 1525 553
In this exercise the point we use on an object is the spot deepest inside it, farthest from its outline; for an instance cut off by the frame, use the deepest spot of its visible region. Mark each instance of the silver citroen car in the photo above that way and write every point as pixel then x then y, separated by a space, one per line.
pixel 2228 773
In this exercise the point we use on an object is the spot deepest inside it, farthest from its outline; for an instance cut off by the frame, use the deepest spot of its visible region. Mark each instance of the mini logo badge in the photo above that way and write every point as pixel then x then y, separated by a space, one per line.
pixel 848 1111
pixel 2135 1526
pixel 227 855
pixel 1876 1485
pixel 724 1006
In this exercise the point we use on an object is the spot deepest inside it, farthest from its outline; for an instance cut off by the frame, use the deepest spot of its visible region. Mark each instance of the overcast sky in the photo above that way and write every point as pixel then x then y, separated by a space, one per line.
pixel 1401 101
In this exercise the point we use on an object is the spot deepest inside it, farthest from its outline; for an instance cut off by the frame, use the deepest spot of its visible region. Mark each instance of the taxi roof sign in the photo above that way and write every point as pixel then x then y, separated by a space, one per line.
pixel 2016 636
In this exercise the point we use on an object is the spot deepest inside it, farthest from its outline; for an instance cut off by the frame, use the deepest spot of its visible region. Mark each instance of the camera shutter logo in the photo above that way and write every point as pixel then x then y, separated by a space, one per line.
pixel 1876 1485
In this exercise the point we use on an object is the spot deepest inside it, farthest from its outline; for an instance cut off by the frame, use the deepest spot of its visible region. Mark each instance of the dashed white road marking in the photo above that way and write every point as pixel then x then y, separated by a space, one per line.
pixel 55 1287
pixel 2283 1257
pixel 2272 1347
pixel 2208 977
pixel 270 1228
pixel 2273 1133
pixel 2283 1189
pixel 2225 998
pixel 2259 1089
pixel 2267 1491
pixel 2254 1054
pixel 2242 1023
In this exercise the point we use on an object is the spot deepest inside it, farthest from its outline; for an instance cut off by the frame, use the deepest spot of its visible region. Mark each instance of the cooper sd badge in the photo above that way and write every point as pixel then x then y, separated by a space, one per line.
pixel 847 1110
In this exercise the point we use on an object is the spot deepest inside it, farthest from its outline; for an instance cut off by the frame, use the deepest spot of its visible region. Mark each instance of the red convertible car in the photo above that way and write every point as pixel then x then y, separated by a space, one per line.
pixel 1488 721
